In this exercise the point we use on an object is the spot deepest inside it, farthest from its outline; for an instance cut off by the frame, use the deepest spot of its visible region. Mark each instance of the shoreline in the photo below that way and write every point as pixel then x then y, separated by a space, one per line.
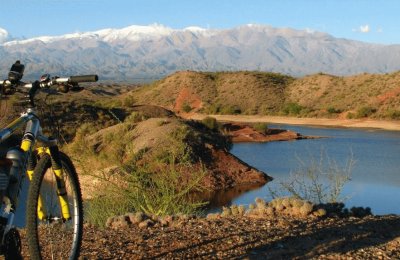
pixel 327 122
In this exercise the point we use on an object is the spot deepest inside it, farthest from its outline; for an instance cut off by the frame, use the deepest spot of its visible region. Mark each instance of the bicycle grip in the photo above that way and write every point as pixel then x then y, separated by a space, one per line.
pixel 83 78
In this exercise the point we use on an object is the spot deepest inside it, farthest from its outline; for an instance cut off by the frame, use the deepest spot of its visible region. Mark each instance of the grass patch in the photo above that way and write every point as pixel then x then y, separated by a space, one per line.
pixel 292 109
pixel 365 111
pixel 261 127
pixel 157 189
pixel 393 114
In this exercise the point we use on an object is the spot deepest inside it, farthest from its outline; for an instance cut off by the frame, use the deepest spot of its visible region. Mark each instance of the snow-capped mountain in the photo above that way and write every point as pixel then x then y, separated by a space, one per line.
pixel 138 52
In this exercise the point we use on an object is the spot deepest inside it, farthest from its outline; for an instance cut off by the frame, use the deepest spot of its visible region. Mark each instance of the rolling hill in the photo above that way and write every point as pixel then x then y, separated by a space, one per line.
pixel 245 92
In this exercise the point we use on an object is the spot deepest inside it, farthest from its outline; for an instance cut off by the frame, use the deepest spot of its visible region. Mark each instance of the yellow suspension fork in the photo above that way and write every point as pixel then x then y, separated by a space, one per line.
pixel 61 190
pixel 41 210
pixel 59 175
pixel 26 146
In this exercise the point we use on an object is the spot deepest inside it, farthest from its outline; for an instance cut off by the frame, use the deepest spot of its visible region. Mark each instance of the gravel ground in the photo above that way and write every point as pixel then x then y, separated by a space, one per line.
pixel 371 237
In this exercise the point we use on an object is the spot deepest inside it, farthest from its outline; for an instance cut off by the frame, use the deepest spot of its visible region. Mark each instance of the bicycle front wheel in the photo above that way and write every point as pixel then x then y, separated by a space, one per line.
pixel 52 235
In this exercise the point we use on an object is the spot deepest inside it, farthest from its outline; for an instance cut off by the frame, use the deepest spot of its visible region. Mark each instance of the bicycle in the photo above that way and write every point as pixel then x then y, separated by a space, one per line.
pixel 54 213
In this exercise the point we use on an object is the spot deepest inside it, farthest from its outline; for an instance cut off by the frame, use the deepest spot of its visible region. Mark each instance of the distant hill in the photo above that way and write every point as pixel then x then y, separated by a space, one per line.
pixel 318 95
pixel 144 53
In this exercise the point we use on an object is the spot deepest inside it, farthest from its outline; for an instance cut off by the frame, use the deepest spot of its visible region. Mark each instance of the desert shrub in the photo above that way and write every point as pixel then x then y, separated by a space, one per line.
pixel 211 123
pixel 332 110
pixel 186 108
pixel 350 115
pixel 182 142
pixel 230 110
pixel 157 189
pixel 365 111
pixel 393 114
pixel 128 101
pixel 292 109
pixel 136 117
pixel 261 127
pixel 81 144
pixel 99 209
pixel 252 111
pixel 319 180
pixel 214 108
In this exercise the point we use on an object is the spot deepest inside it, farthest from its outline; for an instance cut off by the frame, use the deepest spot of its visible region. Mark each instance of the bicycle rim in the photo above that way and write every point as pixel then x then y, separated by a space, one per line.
pixel 54 237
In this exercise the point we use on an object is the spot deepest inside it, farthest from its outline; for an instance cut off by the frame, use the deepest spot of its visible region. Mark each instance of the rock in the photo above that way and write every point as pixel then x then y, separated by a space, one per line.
pixel 279 207
pixel 320 213
pixel 286 202
pixel 226 212
pixel 213 216
pixel 260 203
pixel 306 209
pixel 297 203
pixel 234 210
pixel 109 221
pixel 136 218
pixel 146 223
pixel 269 211
pixel 295 211
pixel 241 210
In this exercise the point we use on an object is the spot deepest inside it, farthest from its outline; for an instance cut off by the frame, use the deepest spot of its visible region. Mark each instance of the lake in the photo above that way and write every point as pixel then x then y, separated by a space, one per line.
pixel 375 178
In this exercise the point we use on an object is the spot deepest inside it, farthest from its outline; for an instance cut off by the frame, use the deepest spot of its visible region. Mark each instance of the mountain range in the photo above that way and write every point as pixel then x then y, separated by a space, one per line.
pixel 151 52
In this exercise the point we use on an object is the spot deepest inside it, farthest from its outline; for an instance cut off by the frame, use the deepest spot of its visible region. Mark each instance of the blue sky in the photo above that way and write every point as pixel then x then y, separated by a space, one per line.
pixel 374 21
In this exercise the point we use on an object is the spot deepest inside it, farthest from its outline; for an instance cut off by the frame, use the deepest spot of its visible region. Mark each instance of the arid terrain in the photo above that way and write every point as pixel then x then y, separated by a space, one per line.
pixel 371 237
pixel 374 96
pixel 120 131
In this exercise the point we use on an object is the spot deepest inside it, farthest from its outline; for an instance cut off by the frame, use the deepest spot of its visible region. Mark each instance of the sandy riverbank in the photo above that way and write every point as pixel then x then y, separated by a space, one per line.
pixel 351 123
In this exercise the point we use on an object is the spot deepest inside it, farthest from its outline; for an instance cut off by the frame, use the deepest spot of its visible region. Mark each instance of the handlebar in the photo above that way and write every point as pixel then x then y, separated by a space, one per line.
pixel 48 82
pixel 71 83
pixel 85 78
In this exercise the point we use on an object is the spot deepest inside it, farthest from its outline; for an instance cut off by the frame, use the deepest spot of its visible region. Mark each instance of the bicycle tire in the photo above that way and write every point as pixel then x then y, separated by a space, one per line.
pixel 49 238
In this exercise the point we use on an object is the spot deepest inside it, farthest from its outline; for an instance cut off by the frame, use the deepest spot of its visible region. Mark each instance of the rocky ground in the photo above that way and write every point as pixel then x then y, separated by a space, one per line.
pixel 282 229
pixel 371 237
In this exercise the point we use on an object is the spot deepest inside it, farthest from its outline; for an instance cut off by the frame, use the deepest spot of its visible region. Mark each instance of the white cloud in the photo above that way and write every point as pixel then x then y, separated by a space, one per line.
pixel 3 35
pixel 380 30
pixel 364 28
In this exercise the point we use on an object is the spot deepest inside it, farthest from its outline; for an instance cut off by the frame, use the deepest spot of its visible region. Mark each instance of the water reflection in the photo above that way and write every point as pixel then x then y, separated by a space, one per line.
pixel 225 197
pixel 375 177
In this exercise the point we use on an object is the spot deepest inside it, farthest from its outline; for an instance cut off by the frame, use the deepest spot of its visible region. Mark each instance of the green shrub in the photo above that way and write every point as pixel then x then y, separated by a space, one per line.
pixel 332 110
pixel 182 145
pixel 136 117
pixel 350 115
pixel 211 123
pixel 393 114
pixel 128 101
pixel 292 109
pixel 99 209
pixel 214 108
pixel 365 111
pixel 186 108
pixel 261 127
pixel 231 110
pixel 157 189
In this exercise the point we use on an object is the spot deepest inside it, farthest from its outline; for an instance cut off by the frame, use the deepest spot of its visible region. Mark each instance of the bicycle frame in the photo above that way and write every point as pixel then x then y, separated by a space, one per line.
pixel 33 132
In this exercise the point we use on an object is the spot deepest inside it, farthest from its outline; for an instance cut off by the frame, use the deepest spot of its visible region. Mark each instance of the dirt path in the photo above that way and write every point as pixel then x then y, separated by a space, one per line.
pixel 356 123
